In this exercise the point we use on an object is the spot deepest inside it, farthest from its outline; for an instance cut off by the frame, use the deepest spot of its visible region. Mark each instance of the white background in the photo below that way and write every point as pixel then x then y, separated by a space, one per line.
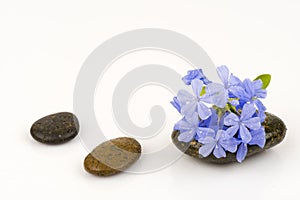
pixel 43 45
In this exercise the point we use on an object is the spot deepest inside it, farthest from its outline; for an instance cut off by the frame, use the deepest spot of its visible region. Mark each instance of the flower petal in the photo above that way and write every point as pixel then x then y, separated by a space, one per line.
pixel 253 123
pixel 195 74
pixel 262 116
pixel 193 119
pixel 233 80
pixel 176 126
pixel 258 137
pixel 247 112
pixel 214 122
pixel 216 94
pixel 237 91
pixel 257 84
pixel 197 86
pixel 207 147
pixel 223 73
pixel 245 134
pixel 234 102
pixel 261 94
pixel 231 120
pixel 187 136
pixel 185 97
pixel 230 144
pixel 203 111
pixel 242 152
pixel 248 86
pixel 261 109
pixel 219 152
pixel 189 109
pixel 191 75
pixel 202 133
pixel 176 104
pixel 232 130
pixel 183 125
pixel 260 106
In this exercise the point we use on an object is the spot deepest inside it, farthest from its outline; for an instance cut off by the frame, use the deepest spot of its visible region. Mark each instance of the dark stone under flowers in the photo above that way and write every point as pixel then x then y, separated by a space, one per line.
pixel 275 132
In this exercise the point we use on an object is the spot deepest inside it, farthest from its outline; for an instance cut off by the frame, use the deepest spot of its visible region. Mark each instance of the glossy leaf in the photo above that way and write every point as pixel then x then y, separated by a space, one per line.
pixel 266 79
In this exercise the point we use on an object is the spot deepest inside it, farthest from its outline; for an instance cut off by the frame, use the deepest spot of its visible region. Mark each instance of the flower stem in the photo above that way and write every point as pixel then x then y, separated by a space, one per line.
pixel 232 109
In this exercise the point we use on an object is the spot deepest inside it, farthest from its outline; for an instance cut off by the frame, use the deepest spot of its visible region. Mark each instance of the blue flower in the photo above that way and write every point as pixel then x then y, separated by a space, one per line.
pixel 216 139
pixel 194 103
pixel 176 104
pixel 258 138
pixel 189 128
pixel 228 78
pixel 195 74
pixel 252 92
pixel 242 152
pixel 219 94
pixel 216 94
pixel 218 144
pixel 234 121
pixel 231 83
pixel 210 123
pixel 243 125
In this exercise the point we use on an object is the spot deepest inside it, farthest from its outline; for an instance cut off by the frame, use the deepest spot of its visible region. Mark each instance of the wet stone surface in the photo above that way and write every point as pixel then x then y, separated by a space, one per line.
pixel 275 133
pixel 113 156
pixel 56 128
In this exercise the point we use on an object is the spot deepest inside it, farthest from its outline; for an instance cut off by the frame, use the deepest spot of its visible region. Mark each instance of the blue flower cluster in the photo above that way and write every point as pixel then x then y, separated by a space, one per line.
pixel 222 117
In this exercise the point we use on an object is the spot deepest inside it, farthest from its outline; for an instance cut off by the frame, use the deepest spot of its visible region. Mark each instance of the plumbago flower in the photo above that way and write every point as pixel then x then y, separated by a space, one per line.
pixel 195 74
pixel 232 84
pixel 243 123
pixel 223 117
pixel 189 128
pixel 248 127
pixel 188 103
pixel 194 103
pixel 253 91
pixel 176 104
pixel 217 144
pixel 217 140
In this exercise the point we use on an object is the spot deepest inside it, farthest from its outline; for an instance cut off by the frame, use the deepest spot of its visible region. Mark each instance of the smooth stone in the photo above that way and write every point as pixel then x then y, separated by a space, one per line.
pixel 275 133
pixel 113 156
pixel 56 128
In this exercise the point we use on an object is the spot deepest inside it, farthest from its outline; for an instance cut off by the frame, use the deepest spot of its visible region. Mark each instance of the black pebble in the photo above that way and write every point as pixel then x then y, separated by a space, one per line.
pixel 56 128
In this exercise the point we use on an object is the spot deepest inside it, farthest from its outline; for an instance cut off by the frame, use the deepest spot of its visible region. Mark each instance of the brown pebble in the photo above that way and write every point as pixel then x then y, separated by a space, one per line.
pixel 56 128
pixel 113 156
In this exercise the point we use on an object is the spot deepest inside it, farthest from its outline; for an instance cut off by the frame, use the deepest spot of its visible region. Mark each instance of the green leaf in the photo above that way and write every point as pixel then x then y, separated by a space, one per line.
pixel 266 79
